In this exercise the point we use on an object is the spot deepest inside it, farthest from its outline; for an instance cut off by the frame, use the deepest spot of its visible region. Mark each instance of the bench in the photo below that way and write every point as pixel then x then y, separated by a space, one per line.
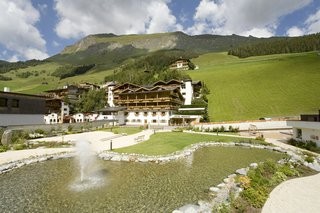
pixel 139 138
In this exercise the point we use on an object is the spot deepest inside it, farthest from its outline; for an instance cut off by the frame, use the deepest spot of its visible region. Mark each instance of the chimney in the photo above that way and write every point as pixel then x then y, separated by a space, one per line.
pixel 6 89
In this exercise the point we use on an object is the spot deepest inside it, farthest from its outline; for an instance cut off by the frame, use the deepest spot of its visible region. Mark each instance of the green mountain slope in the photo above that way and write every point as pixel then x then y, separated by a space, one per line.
pixel 109 51
pixel 263 86
pixel 241 89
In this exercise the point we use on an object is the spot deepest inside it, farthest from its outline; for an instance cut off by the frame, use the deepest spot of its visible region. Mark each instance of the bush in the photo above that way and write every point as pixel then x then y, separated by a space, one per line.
pixel 309 159
pixel 3 148
pixel 19 146
pixel 256 196
pixel 39 131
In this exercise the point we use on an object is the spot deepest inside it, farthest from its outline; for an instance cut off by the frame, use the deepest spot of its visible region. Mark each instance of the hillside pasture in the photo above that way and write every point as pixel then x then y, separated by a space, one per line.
pixel 263 86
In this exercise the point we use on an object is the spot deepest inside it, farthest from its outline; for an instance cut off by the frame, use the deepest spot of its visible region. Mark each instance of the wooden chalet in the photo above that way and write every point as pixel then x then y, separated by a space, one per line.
pixel 162 96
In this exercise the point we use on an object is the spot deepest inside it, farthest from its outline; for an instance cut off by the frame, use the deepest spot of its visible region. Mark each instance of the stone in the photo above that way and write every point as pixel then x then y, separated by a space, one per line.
pixel 189 208
pixel 221 185
pixel 254 165
pixel 116 158
pixel 227 180
pixel 6 137
pixel 242 171
pixel 214 189
pixel 232 176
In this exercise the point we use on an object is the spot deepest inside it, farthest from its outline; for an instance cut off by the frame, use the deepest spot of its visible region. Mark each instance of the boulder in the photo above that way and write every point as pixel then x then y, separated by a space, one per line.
pixel 214 189
pixel 6 137
pixel 242 171
pixel 254 165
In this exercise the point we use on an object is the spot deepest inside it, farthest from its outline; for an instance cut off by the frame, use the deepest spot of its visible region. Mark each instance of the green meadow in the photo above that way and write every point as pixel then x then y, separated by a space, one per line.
pixel 241 89
pixel 264 86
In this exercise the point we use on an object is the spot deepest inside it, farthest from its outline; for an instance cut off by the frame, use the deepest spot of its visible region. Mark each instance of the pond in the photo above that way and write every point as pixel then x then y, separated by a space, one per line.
pixel 51 186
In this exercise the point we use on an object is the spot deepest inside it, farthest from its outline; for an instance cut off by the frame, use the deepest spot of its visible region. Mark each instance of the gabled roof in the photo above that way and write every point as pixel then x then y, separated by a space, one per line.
pixel 126 85
pixel 173 81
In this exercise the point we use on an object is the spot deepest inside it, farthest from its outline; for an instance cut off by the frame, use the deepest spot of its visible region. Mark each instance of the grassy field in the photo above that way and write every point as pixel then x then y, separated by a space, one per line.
pixel 264 86
pixel 241 89
pixel 124 130
pixel 169 142
pixel 44 81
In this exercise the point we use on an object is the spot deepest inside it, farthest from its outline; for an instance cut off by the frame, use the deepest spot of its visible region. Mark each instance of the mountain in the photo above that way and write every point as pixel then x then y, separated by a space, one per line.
pixel 109 50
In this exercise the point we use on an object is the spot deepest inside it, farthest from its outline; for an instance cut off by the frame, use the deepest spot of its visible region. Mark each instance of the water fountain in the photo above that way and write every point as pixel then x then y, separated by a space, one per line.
pixel 88 167
pixel 88 184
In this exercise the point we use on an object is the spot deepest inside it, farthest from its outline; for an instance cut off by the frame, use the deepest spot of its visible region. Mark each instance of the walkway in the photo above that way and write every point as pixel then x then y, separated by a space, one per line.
pixel 297 195
pixel 100 141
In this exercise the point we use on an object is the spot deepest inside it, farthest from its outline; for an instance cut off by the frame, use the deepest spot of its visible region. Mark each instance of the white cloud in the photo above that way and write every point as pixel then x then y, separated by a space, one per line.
pixel 258 18
pixel 18 31
pixel 313 23
pixel 55 44
pixel 78 18
pixel 295 31
pixel 43 8
pixel 259 32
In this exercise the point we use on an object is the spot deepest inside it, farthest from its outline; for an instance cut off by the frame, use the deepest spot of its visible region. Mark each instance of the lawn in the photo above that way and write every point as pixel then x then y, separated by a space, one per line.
pixel 169 142
pixel 124 130
pixel 241 89
pixel 264 86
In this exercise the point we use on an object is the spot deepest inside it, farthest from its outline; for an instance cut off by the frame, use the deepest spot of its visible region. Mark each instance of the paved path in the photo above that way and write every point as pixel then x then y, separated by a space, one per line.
pixel 295 196
pixel 100 141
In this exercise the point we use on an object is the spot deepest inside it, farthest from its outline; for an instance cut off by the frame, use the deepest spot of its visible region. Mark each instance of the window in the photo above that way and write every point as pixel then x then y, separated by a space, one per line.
pixel 163 113
pixel 183 86
pixel 154 121
pixel 145 113
pixel 154 114
pixel 136 113
pixel 3 102
pixel 183 93
pixel 163 121
pixel 15 103
pixel 138 120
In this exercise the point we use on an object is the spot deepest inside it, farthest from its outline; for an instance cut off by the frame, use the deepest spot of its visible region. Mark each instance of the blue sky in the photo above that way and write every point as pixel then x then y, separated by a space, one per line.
pixel 41 28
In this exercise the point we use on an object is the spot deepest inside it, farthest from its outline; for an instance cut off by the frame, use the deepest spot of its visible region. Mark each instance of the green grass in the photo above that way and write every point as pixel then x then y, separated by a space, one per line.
pixel 264 86
pixel 241 89
pixel 124 130
pixel 166 143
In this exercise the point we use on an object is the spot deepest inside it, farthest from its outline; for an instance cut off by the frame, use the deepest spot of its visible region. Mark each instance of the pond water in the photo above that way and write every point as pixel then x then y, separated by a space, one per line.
pixel 53 186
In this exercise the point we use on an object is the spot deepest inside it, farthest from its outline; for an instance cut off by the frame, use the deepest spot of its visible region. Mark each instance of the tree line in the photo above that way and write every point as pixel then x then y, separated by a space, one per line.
pixel 278 45
pixel 154 67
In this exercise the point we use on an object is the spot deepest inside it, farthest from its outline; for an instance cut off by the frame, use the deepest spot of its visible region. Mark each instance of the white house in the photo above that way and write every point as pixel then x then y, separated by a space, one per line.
pixel 307 128
pixel 51 118
pixel 153 118
pixel 186 90
pixel 79 117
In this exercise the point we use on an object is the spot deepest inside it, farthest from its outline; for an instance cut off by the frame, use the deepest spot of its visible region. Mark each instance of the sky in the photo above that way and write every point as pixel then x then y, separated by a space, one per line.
pixel 38 29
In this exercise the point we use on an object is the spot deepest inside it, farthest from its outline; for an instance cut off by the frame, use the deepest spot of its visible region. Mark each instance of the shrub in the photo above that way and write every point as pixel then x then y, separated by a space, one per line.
pixel 70 128
pixel 222 129
pixel 39 131
pixel 309 159
pixel 19 146
pixel 244 181
pixel 256 196
pixel 3 148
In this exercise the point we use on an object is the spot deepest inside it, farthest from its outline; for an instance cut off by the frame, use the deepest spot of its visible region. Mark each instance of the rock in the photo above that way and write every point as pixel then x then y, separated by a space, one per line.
pixel 315 166
pixel 254 165
pixel 6 137
pixel 214 189
pixel 232 176
pixel 242 171
pixel 227 180
pixel 221 185
pixel 116 158
pixel 189 208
